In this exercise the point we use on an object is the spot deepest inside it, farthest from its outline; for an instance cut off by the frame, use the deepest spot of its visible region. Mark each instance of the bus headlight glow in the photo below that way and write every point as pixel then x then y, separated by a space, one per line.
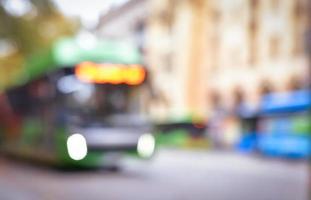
pixel 146 145
pixel 76 146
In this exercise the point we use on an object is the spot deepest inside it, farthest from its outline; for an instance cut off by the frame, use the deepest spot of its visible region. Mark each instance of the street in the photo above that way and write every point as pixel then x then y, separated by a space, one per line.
pixel 171 174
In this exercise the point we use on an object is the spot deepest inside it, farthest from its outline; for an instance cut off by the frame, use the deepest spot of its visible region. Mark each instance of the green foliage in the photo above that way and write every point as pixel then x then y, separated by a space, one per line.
pixel 30 34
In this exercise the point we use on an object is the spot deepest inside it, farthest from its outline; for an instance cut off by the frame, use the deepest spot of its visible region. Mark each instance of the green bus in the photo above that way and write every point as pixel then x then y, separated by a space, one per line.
pixel 78 107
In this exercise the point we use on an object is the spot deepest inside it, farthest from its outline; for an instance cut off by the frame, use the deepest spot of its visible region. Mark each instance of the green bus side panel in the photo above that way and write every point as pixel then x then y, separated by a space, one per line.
pixel 32 130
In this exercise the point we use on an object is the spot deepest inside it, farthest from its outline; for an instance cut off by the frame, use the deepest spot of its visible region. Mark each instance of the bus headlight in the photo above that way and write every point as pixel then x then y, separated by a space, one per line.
pixel 76 146
pixel 146 145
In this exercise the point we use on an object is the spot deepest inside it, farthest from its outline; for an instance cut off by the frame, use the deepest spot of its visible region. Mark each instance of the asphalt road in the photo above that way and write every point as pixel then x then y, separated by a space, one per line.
pixel 172 174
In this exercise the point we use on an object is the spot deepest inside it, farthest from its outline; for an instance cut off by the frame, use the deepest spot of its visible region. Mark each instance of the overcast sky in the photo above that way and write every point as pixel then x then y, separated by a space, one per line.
pixel 88 10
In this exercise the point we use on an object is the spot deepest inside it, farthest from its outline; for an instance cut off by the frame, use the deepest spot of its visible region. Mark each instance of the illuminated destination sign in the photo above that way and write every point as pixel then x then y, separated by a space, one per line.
pixel 110 73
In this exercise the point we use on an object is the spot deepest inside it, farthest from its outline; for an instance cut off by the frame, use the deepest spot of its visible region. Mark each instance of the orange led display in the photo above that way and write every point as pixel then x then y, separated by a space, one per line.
pixel 110 73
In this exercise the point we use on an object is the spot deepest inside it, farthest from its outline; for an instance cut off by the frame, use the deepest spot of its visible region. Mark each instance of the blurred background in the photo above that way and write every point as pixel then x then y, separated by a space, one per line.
pixel 188 99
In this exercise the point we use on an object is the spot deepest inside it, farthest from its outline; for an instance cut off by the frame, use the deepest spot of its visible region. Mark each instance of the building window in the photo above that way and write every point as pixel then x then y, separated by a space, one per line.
pixel 275 4
pixel 274 47
pixel 168 63
pixel 254 4
pixel 297 14
pixel 297 44
pixel 253 30
pixel 252 41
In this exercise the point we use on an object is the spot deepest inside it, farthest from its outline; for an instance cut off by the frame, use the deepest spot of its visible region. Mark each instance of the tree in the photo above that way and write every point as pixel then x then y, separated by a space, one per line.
pixel 29 34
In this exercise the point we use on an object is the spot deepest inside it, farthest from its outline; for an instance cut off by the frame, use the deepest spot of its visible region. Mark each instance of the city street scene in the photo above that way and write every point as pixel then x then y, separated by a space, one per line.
pixel 155 99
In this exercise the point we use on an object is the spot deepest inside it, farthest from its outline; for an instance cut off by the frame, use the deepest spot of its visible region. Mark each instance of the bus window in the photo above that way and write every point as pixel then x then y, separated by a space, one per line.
pixel 96 103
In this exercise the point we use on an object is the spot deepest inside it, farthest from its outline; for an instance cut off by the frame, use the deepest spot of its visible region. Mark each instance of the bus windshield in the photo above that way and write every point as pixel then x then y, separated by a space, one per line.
pixel 91 103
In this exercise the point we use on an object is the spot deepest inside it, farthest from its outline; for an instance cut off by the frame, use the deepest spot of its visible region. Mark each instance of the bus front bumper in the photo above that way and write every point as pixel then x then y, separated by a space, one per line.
pixel 79 145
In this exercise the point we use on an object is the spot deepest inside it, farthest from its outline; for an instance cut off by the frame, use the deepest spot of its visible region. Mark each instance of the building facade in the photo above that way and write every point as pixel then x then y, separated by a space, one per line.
pixel 125 22
pixel 199 49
